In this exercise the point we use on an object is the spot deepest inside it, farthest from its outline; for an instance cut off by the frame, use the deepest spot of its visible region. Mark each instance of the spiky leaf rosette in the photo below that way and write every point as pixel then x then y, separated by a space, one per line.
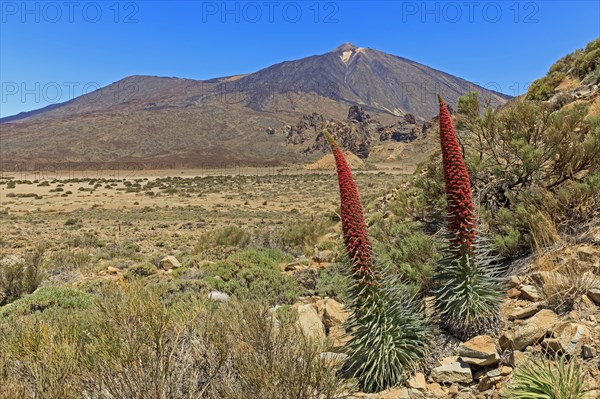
pixel 388 328
pixel 390 337
pixel 461 217
pixel 469 292
pixel 354 226
pixel 468 296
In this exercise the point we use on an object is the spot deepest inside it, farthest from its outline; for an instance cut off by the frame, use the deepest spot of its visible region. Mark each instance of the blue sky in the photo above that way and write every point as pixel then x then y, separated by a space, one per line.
pixel 53 51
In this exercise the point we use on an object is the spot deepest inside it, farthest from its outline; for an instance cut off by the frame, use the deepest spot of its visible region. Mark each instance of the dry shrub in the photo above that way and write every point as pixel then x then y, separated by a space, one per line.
pixel 131 344
pixel 542 230
pixel 563 283
pixel 272 359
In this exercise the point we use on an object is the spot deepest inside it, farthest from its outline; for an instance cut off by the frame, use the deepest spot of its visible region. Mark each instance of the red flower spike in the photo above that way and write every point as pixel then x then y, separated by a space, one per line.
pixel 354 227
pixel 461 216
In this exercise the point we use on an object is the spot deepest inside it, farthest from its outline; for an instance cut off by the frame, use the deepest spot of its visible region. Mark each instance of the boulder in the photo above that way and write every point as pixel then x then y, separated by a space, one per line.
pixel 594 294
pixel 529 331
pixel 530 293
pixel 434 389
pixel 518 358
pixel 514 281
pixel 523 313
pixel 569 339
pixel 169 262
pixel 334 314
pixel 290 267
pixel 338 336
pixel 457 371
pixel 310 322
pixel 417 382
pixel 480 351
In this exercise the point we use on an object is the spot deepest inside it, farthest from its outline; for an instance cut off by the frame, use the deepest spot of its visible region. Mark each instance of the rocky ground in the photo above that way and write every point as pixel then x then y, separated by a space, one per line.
pixel 546 310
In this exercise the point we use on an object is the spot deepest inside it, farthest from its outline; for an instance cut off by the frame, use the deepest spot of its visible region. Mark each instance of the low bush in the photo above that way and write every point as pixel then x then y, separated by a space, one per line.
pixel 47 299
pixel 253 274
pixel 21 275
pixel 560 378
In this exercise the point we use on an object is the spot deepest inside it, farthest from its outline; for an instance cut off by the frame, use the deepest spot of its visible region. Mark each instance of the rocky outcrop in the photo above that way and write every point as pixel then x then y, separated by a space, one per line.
pixel 356 133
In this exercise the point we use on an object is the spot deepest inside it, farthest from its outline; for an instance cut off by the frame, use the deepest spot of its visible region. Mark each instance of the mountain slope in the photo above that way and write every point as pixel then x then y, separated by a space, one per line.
pixel 224 120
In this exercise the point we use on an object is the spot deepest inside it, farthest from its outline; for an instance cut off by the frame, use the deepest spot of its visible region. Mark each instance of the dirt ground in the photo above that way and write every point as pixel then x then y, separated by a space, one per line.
pixel 168 207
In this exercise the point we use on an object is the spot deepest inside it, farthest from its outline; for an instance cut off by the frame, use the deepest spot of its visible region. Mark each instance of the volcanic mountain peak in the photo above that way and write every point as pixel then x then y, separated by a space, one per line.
pixel 225 119
pixel 345 47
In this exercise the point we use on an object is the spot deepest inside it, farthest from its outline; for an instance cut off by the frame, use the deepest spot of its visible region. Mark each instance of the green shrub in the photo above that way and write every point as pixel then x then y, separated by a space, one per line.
pixel 546 379
pixel 507 242
pixel 408 250
pixel 334 282
pixel 230 236
pixel 47 298
pixel 140 270
pixel 253 274
pixel 68 259
pixel 301 237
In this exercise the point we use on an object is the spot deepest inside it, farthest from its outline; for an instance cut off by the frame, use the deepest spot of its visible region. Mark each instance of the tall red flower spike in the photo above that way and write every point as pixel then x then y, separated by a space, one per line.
pixel 354 227
pixel 461 216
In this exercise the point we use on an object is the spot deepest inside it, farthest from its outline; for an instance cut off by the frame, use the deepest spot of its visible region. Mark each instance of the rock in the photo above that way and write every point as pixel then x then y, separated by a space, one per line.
pixel 569 339
pixel 584 302
pixel 335 360
pixel 480 351
pixel 392 393
pixel 530 293
pixel 326 256
pixel 319 305
pixel 113 270
pixel 294 266
pixel 505 370
pixel 458 372
pixel 414 394
pixel 410 118
pixel 453 391
pixel 436 390
pixel 417 382
pixel 594 294
pixel 529 331
pixel 518 358
pixel 169 262
pixel 588 352
pixel 338 336
pixel 513 293
pixel 218 296
pixel 310 322
pixel 523 313
pixel 484 384
pixel 464 395
pixel 334 314
pixel 514 281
